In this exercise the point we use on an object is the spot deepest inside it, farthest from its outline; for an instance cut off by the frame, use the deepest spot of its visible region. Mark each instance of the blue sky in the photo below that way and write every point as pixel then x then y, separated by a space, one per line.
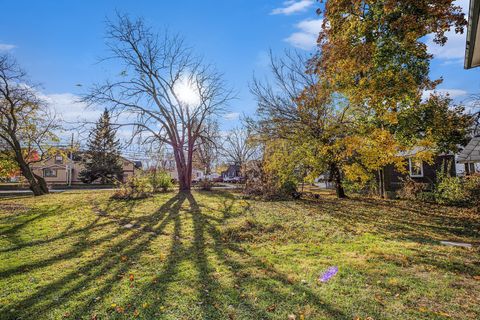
pixel 59 42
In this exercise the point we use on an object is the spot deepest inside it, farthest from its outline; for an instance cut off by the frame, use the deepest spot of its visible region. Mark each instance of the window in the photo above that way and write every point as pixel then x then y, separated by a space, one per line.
pixel 58 159
pixel 48 172
pixel 415 167
pixel 470 168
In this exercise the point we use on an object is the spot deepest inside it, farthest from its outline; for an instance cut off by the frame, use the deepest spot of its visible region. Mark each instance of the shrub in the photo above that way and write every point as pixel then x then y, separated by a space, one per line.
pixel 426 196
pixel 267 186
pixel 472 190
pixel 368 188
pixel 160 181
pixel 450 191
pixel 134 188
pixel 411 189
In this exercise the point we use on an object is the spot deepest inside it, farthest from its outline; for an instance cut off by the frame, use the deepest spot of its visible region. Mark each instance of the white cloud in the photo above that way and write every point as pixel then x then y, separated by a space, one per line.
pixel 306 38
pixel 68 108
pixel 231 116
pixel 75 116
pixel 454 50
pixel 292 6
pixel 453 93
pixel 6 47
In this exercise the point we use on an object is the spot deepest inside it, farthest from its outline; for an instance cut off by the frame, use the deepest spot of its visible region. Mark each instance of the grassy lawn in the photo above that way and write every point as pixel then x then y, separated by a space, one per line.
pixel 215 256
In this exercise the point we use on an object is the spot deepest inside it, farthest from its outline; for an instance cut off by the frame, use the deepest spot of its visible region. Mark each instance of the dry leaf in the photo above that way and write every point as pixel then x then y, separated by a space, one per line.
pixel 271 308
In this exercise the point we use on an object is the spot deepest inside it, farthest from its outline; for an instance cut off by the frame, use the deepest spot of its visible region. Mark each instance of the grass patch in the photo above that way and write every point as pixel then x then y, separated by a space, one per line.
pixel 211 255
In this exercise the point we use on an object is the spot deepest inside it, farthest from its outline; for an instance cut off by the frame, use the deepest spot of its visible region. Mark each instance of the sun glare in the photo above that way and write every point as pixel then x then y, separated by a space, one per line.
pixel 187 92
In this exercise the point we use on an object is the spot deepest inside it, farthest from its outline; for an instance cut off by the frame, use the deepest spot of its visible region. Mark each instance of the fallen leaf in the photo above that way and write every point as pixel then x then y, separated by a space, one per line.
pixel 132 277
pixel 271 308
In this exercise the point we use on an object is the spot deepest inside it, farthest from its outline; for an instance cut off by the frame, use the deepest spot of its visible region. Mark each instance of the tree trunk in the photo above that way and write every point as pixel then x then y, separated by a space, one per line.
pixel 336 177
pixel 381 183
pixel 184 177
pixel 36 183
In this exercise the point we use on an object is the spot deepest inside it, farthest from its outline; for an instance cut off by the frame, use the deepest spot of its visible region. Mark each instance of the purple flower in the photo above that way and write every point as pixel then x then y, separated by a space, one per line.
pixel 327 275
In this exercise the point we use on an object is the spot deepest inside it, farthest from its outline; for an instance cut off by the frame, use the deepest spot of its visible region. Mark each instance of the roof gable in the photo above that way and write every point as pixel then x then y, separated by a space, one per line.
pixel 471 153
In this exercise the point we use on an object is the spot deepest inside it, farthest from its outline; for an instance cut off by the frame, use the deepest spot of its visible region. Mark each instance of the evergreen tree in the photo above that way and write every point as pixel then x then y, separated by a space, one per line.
pixel 103 156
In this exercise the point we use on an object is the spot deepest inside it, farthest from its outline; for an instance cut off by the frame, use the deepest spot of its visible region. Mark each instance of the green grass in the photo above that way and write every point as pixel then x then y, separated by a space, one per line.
pixel 211 255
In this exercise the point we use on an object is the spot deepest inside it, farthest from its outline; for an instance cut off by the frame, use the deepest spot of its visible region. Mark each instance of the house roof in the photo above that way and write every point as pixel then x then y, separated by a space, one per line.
pixel 471 153
pixel 472 49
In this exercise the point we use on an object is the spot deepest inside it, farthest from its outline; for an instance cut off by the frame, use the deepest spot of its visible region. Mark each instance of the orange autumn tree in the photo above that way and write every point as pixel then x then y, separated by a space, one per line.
pixel 372 52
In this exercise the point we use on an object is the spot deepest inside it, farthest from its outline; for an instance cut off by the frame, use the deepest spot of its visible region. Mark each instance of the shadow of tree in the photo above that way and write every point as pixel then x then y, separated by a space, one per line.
pixel 196 239
pixel 216 300
pixel 105 266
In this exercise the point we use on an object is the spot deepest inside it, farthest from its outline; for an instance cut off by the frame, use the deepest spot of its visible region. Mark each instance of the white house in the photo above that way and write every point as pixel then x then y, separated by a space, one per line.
pixel 469 158
pixel 472 50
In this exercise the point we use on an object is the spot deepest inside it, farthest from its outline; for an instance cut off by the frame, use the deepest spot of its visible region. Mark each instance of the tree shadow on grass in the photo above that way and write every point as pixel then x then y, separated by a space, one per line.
pixel 404 220
pixel 106 266
pixel 209 252
pixel 86 287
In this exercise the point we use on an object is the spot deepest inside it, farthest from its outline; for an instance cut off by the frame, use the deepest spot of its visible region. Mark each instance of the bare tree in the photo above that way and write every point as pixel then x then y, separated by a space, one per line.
pixel 207 148
pixel 297 107
pixel 238 147
pixel 26 123
pixel 165 90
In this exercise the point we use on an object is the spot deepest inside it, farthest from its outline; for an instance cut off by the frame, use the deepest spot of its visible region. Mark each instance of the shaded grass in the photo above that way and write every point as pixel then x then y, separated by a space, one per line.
pixel 210 255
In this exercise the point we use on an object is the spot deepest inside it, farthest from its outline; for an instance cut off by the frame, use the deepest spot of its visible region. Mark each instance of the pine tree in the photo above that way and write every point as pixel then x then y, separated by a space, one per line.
pixel 103 156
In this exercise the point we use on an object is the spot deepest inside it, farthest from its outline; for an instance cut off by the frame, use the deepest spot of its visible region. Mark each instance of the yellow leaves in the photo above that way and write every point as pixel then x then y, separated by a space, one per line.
pixel 123 258
pixel 393 281
pixel 372 151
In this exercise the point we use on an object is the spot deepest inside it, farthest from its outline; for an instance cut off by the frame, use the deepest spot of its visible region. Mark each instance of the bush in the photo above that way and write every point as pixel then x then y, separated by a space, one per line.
pixel 160 181
pixel 450 191
pixel 426 196
pixel 368 188
pixel 411 189
pixel 472 190
pixel 268 186
pixel 135 188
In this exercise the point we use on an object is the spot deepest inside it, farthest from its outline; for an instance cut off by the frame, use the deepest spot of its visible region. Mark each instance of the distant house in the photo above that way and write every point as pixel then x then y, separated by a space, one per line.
pixel 197 174
pixel 233 173
pixel 469 157
pixel 472 50
pixel 63 170
pixel 390 179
